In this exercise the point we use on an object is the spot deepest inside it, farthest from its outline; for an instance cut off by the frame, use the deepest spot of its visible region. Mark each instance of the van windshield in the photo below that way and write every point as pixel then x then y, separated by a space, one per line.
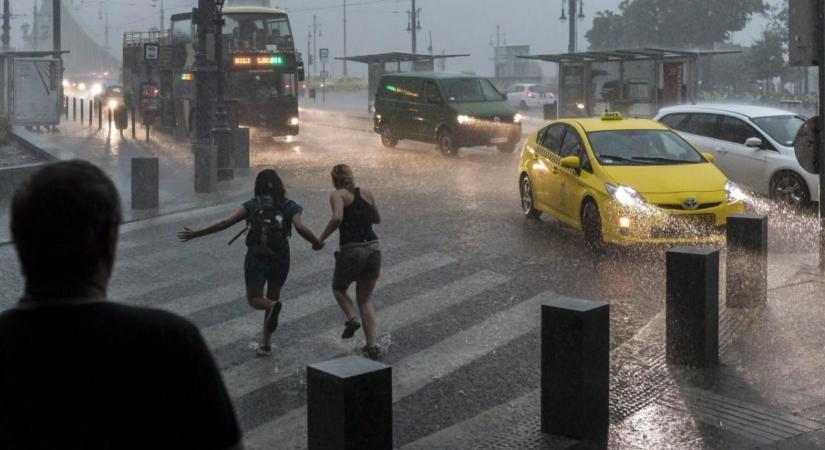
pixel 463 90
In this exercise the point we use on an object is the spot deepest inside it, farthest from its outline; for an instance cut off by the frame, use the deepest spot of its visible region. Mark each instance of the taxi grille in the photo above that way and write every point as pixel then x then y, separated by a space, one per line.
pixel 688 225
pixel 681 207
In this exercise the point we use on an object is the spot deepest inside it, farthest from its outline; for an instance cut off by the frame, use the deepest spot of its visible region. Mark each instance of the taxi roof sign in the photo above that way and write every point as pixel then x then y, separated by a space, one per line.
pixel 612 115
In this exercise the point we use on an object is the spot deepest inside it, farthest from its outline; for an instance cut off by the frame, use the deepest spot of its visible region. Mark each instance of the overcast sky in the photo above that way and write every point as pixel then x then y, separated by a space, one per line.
pixel 457 26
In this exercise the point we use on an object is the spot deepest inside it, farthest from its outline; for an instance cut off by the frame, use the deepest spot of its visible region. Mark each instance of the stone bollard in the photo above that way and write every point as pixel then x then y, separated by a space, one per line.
pixel 692 310
pixel 349 405
pixel 747 261
pixel 575 368
pixel 145 183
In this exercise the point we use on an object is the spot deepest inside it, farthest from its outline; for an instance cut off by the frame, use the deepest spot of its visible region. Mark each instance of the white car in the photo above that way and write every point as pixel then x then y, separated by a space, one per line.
pixel 752 145
pixel 525 96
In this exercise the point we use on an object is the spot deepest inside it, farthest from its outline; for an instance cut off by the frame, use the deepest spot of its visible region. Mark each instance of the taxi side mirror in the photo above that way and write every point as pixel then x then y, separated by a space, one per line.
pixel 571 162
pixel 711 159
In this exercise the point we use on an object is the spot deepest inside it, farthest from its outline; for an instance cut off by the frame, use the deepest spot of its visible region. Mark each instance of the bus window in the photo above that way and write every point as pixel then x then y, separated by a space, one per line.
pixel 182 31
pixel 257 31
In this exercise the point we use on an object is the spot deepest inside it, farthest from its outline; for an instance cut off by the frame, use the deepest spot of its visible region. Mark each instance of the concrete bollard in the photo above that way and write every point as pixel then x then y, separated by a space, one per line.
pixel 692 310
pixel 349 405
pixel 575 368
pixel 747 261
pixel 145 183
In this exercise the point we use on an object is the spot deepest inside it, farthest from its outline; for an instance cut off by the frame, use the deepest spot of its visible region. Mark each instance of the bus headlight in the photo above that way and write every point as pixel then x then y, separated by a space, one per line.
pixel 294 122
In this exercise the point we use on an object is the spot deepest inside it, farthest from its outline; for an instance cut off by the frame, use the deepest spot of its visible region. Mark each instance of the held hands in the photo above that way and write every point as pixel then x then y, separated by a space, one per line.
pixel 186 235
pixel 318 245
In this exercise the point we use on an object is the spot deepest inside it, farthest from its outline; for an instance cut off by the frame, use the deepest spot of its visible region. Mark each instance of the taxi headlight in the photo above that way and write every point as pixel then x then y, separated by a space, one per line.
pixel 625 195
pixel 464 119
pixel 518 118
pixel 733 192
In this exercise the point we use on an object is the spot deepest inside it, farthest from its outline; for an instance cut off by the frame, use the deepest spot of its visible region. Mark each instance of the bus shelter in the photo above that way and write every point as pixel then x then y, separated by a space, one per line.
pixel 635 82
pixel 394 62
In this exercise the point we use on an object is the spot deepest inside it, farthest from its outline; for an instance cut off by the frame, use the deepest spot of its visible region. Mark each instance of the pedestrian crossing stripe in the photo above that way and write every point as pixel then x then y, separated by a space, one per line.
pixel 250 324
pixel 256 373
pixel 419 369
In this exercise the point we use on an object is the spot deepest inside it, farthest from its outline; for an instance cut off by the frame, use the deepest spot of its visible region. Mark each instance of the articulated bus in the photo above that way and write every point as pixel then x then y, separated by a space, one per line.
pixel 261 69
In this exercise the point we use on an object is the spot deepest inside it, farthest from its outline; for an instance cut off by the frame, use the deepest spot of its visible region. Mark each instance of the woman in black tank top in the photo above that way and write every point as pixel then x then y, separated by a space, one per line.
pixel 358 258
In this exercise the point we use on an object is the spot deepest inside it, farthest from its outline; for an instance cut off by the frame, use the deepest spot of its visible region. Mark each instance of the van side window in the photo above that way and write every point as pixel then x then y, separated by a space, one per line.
pixel 387 89
pixel 431 93
pixel 408 89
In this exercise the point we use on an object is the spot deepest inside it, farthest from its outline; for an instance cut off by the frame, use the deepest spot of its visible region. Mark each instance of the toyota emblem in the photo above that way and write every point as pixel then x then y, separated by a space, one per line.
pixel 691 203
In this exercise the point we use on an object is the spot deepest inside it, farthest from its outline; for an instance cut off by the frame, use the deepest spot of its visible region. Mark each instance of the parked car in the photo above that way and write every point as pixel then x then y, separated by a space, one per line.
pixel 526 96
pixel 450 110
pixel 625 181
pixel 752 145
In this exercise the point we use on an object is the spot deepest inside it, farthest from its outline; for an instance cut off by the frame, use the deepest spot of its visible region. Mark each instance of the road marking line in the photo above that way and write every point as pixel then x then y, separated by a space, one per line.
pixel 420 369
pixel 236 291
pixel 259 372
pixel 250 324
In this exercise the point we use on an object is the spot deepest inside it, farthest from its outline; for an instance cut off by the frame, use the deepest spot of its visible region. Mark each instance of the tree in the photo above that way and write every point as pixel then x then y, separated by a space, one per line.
pixel 671 23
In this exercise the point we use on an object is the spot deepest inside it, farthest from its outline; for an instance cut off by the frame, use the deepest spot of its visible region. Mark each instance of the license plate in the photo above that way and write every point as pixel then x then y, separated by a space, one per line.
pixel 702 220
pixel 499 140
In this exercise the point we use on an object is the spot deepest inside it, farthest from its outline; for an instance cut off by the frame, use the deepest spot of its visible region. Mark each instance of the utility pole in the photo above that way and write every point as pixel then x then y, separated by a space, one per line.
pixel 161 15
pixel 576 9
pixel 106 20
pixel 56 25
pixel 35 29
pixel 6 24
pixel 414 25
pixel 345 39
pixel 430 48
pixel 204 150
pixel 821 134
pixel 314 41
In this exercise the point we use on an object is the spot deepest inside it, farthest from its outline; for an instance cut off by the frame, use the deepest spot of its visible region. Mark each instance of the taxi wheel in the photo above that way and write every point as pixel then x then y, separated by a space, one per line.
pixel 446 143
pixel 789 189
pixel 592 226
pixel 527 205
pixel 387 137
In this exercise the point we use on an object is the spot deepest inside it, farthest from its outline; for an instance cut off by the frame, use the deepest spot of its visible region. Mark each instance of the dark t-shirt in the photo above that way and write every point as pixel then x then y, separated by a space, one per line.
pixel 290 209
pixel 109 376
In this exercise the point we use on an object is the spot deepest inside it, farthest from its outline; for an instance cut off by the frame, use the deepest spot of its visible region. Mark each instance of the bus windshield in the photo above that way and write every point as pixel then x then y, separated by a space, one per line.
pixel 248 31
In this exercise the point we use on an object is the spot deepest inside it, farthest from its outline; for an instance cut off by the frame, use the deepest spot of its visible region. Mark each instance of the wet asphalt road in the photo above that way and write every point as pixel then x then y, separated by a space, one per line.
pixel 458 302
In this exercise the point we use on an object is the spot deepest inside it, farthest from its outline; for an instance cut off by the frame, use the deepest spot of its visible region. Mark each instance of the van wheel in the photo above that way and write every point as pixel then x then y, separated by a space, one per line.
pixel 509 147
pixel 592 226
pixel 446 143
pixel 388 138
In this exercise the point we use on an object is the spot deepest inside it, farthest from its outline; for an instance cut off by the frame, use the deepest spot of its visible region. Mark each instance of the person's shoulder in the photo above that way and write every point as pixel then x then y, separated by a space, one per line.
pixel 366 193
pixel 152 319
pixel 292 207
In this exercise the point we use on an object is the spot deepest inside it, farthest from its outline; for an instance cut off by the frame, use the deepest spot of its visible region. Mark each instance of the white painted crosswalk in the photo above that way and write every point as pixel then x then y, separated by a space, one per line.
pixel 417 370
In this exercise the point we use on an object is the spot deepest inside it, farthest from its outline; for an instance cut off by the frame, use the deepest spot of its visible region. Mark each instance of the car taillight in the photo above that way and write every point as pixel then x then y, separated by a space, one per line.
pixel 151 91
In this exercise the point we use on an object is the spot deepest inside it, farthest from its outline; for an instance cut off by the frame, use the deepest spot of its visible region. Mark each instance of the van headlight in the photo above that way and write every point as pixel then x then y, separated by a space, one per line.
pixel 464 119
pixel 625 195
pixel 733 192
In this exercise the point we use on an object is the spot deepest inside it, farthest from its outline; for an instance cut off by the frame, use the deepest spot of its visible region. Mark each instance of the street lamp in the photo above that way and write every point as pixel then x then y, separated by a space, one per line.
pixel 221 131
pixel 202 146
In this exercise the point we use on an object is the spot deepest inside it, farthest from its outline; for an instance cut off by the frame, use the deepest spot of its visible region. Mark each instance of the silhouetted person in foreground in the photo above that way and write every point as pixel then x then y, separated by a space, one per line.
pixel 78 371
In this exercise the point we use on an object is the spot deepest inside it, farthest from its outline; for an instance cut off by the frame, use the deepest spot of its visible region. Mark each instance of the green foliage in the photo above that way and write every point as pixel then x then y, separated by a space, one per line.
pixel 671 23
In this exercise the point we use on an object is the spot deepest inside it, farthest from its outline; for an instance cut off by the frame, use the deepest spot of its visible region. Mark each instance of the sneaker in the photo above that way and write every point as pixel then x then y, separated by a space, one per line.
pixel 350 327
pixel 264 350
pixel 271 318
pixel 371 352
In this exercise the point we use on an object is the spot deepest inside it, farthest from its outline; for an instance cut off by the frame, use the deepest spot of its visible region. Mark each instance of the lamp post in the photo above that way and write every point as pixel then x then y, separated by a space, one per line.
pixel 221 132
pixel 204 151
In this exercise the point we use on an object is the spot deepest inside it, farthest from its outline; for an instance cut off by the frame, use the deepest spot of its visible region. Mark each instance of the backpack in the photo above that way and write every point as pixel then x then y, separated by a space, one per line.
pixel 268 228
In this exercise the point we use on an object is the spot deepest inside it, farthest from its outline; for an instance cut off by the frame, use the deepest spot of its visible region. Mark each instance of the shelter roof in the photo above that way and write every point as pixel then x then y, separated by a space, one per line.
pixel 392 57
pixel 637 54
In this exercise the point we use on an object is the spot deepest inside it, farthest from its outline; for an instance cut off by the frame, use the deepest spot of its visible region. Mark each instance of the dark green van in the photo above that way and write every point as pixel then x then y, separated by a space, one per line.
pixel 450 110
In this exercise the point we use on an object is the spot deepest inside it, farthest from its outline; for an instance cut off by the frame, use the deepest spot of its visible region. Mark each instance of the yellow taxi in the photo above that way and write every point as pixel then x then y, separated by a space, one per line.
pixel 625 181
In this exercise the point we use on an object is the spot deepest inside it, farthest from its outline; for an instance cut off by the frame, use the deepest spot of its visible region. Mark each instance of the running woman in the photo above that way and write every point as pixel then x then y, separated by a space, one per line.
pixel 270 216
pixel 358 258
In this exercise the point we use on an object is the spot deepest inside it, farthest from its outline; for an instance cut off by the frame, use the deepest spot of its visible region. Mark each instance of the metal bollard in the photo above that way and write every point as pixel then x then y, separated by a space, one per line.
pixel 575 368
pixel 110 119
pixel 82 117
pixel 91 114
pixel 692 310
pixel 746 284
pixel 74 109
pixel 145 183
pixel 134 131
pixel 349 405
pixel 66 106
pixel 99 115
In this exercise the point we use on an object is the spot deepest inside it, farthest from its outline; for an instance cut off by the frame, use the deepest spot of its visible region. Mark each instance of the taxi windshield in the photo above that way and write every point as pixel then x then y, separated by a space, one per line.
pixel 642 147
pixel 464 90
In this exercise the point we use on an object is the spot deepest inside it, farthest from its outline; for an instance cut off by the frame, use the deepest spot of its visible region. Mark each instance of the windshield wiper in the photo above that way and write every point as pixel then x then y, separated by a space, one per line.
pixel 622 158
pixel 662 160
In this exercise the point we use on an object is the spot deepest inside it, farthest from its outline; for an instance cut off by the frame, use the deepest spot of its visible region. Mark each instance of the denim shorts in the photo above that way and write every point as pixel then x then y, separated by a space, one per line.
pixel 262 269
pixel 356 262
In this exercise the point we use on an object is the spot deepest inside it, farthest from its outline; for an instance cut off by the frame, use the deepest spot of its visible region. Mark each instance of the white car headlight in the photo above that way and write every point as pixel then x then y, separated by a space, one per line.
pixel 625 195
pixel 733 192
pixel 518 118
pixel 464 119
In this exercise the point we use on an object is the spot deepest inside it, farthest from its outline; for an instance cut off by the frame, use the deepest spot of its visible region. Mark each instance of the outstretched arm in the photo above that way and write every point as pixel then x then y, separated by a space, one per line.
pixel 187 234
pixel 336 201
pixel 306 233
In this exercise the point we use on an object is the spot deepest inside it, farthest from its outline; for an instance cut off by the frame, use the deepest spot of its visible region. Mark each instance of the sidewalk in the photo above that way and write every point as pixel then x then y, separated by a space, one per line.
pixel 113 154
pixel 766 393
